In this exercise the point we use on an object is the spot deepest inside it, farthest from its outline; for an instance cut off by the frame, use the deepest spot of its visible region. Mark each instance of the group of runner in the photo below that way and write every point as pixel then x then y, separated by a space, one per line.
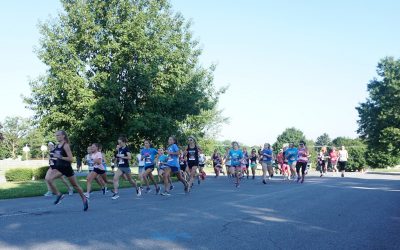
pixel 186 163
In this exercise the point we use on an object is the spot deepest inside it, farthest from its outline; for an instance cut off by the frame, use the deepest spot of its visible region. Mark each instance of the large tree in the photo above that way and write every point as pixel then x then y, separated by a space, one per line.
pixel 322 140
pixel 14 130
pixel 289 135
pixel 120 67
pixel 356 149
pixel 379 123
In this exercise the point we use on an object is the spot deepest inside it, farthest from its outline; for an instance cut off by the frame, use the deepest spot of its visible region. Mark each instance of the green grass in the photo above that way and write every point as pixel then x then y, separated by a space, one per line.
pixel 384 170
pixel 11 190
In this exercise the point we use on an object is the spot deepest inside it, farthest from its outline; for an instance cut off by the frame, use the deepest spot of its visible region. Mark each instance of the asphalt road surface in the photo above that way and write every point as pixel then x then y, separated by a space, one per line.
pixel 360 211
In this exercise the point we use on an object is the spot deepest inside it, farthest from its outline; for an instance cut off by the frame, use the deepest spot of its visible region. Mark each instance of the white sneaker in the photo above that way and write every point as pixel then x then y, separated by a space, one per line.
pixel 139 191
pixel 87 195
pixel 48 194
pixel 70 191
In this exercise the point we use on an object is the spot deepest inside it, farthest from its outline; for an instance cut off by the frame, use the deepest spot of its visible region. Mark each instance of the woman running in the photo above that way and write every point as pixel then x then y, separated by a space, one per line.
pixel 253 162
pixel 246 161
pixel 192 157
pixel 235 156
pixel 227 162
pixel 63 158
pixel 217 163
pixel 148 155
pixel 51 167
pixel 302 161
pixel 343 157
pixel 333 158
pixel 172 166
pixel 291 156
pixel 266 162
pixel 183 165
pixel 123 157
pixel 98 170
pixel 202 162
pixel 323 161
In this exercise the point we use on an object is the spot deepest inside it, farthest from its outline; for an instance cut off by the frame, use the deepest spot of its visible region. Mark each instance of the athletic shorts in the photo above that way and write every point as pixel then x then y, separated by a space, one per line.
pixel 52 167
pixel 285 167
pixel 125 170
pixel 183 167
pixel 290 163
pixel 253 165
pixel 65 170
pixel 99 171
pixel 192 164
pixel 342 165
pixel 334 163
pixel 201 165
pixel 247 165
pixel 141 170
pixel 217 166
pixel 149 167
pixel 302 165
pixel 267 165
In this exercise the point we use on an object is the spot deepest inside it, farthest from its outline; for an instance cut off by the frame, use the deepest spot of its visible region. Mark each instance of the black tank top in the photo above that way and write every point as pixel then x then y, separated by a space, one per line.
pixel 192 154
pixel 61 151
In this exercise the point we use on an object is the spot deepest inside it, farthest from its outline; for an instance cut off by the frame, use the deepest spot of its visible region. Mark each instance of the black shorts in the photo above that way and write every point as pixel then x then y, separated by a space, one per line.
pixel 149 167
pixel 192 164
pixel 302 165
pixel 65 170
pixel 183 167
pixel 99 171
pixel 52 167
pixel 201 165
pixel 247 165
pixel 342 165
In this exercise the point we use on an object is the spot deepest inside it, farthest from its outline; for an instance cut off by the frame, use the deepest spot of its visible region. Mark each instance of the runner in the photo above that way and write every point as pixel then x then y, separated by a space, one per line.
pixel 343 157
pixel 227 162
pixel 123 157
pixel 217 163
pixel 202 162
pixel 253 162
pixel 192 157
pixel 303 155
pixel 333 158
pixel 104 175
pixel 172 166
pixel 162 159
pixel 98 170
pixel 266 162
pixel 140 165
pixel 246 161
pixel 52 166
pixel 235 156
pixel 322 161
pixel 148 154
pixel 63 158
pixel 183 165
pixel 291 157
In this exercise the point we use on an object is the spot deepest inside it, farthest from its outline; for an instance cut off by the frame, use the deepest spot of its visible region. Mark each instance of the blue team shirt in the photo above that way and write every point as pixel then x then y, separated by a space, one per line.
pixel 291 154
pixel 173 159
pixel 148 155
pixel 235 156
pixel 266 152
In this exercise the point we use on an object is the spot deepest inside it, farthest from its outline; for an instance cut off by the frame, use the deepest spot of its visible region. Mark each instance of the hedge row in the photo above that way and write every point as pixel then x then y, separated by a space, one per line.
pixel 26 174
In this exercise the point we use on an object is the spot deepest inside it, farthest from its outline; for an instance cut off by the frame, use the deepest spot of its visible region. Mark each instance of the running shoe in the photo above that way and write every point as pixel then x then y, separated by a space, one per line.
pixel 115 196
pixel 186 187
pixel 254 177
pixel 48 194
pixel 247 177
pixel 138 191
pixel 158 190
pixel 298 179
pixel 70 191
pixel 198 180
pixel 148 190
pixel 264 181
pixel 321 175
pixel 104 190
pixel 85 205
pixel 87 195
pixel 165 193
pixel 59 199
pixel 302 181
pixel 342 175
pixel 237 184
pixel 172 187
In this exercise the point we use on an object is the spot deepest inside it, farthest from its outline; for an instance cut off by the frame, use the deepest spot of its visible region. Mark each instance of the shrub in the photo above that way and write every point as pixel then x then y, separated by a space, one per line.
pixel 19 174
pixel 40 173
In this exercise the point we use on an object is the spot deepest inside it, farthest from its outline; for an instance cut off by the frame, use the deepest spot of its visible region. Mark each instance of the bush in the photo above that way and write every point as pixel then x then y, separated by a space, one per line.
pixel 19 174
pixel 40 173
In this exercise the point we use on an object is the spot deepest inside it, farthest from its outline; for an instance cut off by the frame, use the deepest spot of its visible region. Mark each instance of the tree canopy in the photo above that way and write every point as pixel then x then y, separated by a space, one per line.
pixel 379 123
pixel 289 135
pixel 122 67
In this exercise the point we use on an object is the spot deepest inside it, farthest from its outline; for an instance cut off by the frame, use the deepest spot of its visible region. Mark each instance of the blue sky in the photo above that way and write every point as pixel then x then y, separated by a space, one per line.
pixel 288 63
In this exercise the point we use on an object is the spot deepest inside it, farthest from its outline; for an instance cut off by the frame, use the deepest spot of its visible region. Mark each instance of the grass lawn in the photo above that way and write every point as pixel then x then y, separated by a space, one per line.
pixel 11 190
pixel 384 170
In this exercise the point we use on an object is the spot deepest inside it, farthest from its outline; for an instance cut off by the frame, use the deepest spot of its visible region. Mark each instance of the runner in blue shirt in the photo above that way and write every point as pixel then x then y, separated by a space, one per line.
pixel 148 154
pixel 235 156
pixel 172 165
pixel 291 156
pixel 266 158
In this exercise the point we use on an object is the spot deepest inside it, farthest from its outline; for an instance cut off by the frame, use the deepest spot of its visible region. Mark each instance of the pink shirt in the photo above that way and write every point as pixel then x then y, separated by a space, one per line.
pixel 96 156
pixel 333 156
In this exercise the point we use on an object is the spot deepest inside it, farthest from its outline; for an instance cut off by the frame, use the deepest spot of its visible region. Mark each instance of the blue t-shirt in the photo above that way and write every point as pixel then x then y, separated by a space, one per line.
pixel 148 155
pixel 265 153
pixel 291 154
pixel 173 159
pixel 235 156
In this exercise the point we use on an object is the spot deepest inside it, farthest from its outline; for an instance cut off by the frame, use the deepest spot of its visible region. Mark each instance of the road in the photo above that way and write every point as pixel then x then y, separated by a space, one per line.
pixel 360 211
